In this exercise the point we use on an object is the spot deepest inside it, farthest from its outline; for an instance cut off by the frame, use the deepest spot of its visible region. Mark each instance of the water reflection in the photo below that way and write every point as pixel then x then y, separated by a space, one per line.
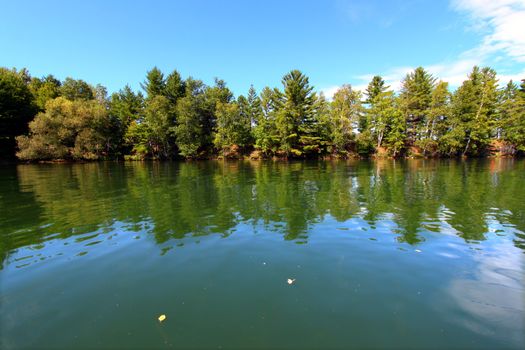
pixel 426 254
pixel 490 298
pixel 413 200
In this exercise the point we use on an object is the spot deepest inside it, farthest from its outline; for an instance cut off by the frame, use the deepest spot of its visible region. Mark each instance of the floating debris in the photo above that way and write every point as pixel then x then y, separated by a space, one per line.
pixel 418 251
pixel 162 318
pixel 290 280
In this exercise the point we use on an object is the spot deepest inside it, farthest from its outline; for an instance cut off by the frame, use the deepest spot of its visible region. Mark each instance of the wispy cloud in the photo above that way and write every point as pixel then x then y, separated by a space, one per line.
pixel 501 24
pixel 504 24
pixel 329 92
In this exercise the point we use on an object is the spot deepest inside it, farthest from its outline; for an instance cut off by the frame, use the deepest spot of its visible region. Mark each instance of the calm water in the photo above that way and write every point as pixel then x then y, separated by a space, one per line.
pixel 415 254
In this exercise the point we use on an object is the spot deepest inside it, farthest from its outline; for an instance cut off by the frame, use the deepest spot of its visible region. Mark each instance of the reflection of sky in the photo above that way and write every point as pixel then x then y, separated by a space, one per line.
pixel 491 295
pixel 484 279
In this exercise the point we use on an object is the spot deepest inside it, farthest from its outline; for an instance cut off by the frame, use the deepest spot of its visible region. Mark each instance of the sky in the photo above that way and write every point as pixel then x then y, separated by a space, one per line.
pixel 244 42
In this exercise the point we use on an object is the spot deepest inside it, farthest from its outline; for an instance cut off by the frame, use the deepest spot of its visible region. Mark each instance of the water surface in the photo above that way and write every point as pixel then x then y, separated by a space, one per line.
pixel 385 254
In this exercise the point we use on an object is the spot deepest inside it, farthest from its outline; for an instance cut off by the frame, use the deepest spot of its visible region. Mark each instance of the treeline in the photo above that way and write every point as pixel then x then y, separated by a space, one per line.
pixel 48 119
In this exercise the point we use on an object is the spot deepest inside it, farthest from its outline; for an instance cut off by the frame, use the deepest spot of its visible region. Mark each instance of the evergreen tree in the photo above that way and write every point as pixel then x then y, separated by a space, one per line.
pixel 254 108
pixel 265 131
pixel 155 84
pixel 514 116
pixel 473 112
pixel 213 95
pixel 435 123
pixel 507 103
pixel 125 107
pixel 189 129
pixel 416 99
pixel 396 131
pixel 152 136
pixel 374 88
pixel 295 120
pixel 175 87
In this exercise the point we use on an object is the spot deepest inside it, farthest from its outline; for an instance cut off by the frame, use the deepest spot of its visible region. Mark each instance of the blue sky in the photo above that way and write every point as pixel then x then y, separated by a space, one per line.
pixel 256 42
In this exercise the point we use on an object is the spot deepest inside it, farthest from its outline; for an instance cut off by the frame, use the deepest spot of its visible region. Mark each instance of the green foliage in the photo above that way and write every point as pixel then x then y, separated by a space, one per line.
pixel 473 113
pixel 345 113
pixel 152 136
pixel 265 131
pixel 189 125
pixel 175 87
pixel 154 84
pixel 74 89
pixel 415 100
pixel 295 120
pixel 436 119
pixel 512 125
pixel 387 123
pixel 374 88
pixel 233 127
pixel 253 106
pixel 68 130
pixel 17 108
pixel 396 132
pixel 125 107
pixel 44 89
pixel 187 118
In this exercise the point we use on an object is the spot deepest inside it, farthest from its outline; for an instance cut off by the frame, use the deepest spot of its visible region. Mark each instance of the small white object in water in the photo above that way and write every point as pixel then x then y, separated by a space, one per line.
pixel 290 280
pixel 418 251
pixel 162 318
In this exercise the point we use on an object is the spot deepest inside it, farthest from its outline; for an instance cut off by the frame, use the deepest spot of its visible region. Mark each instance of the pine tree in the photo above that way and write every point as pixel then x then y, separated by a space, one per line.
pixel 374 88
pixel 473 112
pixel 190 112
pixel 435 123
pixel 507 103
pixel 254 108
pixel 295 120
pixel 155 84
pixel 265 131
pixel 514 120
pixel 125 107
pixel 175 87
pixel 416 99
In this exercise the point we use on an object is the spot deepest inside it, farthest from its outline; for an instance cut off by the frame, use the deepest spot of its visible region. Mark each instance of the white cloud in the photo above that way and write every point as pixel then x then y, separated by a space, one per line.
pixel 330 91
pixel 504 24
pixel 504 78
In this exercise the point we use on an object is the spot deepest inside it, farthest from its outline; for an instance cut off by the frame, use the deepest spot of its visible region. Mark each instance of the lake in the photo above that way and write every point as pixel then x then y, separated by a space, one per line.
pixel 381 254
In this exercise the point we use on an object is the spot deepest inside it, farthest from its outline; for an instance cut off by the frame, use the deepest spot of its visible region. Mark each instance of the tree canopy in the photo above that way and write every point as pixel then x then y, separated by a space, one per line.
pixel 177 118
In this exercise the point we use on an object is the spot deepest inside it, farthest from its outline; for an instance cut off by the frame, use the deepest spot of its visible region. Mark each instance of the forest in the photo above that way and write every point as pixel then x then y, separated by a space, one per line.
pixel 46 119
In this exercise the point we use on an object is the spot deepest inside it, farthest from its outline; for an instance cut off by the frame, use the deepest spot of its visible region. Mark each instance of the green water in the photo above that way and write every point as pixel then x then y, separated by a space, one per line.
pixel 410 254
